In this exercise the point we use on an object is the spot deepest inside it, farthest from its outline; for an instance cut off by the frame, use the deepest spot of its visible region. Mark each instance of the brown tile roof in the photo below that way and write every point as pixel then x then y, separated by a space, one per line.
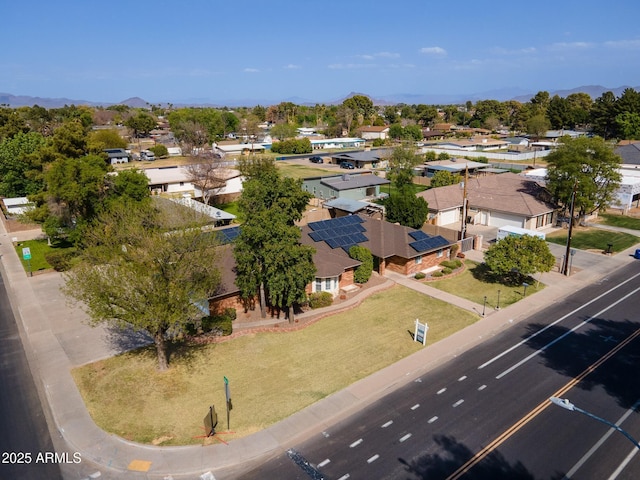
pixel 507 192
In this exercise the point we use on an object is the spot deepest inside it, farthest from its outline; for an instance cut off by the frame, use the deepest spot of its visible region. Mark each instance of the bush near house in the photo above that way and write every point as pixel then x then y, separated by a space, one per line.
pixel 451 264
pixel 292 146
pixel 362 274
pixel 320 299
pixel 221 325
pixel 60 260
pixel 160 151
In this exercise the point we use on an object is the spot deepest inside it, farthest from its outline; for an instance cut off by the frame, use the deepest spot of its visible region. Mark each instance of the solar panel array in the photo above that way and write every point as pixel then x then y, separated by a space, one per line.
pixel 228 235
pixel 342 232
pixel 428 243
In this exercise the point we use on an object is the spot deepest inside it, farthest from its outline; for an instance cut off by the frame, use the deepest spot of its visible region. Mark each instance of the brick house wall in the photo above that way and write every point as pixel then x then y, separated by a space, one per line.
pixel 346 279
pixel 408 267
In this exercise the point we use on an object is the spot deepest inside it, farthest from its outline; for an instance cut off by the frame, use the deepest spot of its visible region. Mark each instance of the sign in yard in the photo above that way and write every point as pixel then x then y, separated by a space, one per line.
pixel 420 334
pixel 227 393
pixel 26 253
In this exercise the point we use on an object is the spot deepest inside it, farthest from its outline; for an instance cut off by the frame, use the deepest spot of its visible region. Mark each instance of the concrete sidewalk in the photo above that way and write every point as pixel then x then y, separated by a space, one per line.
pixel 57 339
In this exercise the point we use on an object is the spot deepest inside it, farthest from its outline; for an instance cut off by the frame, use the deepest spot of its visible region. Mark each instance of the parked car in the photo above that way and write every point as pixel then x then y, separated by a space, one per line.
pixel 316 159
pixel 347 165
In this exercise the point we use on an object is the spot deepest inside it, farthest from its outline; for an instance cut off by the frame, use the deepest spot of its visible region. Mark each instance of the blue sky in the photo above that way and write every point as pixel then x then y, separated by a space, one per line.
pixel 197 50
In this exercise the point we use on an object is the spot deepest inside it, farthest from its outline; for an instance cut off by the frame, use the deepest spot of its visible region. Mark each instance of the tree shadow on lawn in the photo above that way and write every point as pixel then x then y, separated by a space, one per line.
pixel 512 279
pixel 141 344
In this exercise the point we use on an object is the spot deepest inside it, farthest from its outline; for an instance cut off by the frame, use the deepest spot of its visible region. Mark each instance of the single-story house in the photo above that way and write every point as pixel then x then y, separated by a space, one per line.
pixel 238 148
pixel 177 180
pixel 378 158
pixel 396 248
pixel 328 143
pixel 17 206
pixel 117 155
pixel 630 154
pixel 229 188
pixel 172 180
pixel 452 165
pixel 355 186
pixel 340 207
pixel 493 200
pixel 626 196
pixel 472 144
pixel 374 132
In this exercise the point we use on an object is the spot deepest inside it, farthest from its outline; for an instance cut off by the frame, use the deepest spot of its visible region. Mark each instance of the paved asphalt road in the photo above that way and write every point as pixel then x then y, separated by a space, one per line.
pixel 488 409
pixel 24 436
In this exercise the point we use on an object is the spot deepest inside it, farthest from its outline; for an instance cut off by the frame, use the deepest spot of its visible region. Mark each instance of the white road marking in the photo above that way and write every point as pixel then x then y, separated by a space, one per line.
pixel 441 391
pixel 482 387
pixel 385 425
pixel 464 377
pixel 458 403
pixel 406 437
pixel 324 462
pixel 416 406
pixel 540 350
pixel 489 362
pixel 356 443
pixel 344 477
pixel 374 458
pixel 432 419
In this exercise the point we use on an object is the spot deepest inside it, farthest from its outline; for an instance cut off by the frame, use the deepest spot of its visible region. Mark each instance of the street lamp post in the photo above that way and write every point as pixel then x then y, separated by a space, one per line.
pixel 566 404
pixel 484 305
pixel 525 285
pixel 498 303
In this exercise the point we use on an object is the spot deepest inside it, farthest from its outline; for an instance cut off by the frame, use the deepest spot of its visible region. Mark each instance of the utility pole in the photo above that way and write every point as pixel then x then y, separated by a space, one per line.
pixel 565 270
pixel 463 230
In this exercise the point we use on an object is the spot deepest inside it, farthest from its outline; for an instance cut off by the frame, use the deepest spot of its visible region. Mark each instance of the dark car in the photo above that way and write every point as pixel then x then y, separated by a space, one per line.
pixel 347 165
pixel 316 160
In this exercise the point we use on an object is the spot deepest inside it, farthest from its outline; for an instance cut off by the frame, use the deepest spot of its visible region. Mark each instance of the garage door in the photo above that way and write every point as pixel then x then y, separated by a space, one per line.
pixel 503 219
pixel 449 216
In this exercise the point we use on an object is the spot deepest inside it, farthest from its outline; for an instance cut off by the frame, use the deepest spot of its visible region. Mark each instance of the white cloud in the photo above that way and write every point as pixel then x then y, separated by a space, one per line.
pixel 570 45
pixel 291 66
pixel 372 56
pixel 517 51
pixel 436 51
pixel 623 44
pixel 348 66
pixel 251 70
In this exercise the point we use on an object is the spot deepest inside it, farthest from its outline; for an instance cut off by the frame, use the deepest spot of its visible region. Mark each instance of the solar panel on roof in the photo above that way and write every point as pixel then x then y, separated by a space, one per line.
pixel 315 236
pixel 332 243
pixel 430 243
pixel 418 235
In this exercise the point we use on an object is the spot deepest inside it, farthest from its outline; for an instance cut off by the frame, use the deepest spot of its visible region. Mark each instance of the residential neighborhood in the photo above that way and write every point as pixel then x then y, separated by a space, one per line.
pixel 240 252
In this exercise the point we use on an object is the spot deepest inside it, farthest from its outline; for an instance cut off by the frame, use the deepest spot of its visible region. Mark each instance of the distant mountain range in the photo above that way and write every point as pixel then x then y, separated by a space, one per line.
pixel 520 95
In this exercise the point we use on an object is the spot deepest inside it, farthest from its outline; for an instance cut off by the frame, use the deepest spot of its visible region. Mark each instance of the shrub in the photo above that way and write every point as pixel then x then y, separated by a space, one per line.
pixel 446 271
pixel 292 146
pixel 60 260
pixel 363 272
pixel 221 324
pixel 419 276
pixel 437 274
pixel 320 299
pixel 454 249
pixel 451 264
pixel 159 151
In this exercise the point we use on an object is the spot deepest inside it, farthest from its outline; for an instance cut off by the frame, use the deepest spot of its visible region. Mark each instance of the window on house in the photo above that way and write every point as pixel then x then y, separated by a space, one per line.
pixel 318 284
pixel 439 254
pixel 327 284
pixel 418 259
pixel 182 184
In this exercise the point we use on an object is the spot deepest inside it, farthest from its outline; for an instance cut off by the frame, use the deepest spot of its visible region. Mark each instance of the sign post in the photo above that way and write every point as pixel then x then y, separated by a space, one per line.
pixel 420 334
pixel 26 255
pixel 227 393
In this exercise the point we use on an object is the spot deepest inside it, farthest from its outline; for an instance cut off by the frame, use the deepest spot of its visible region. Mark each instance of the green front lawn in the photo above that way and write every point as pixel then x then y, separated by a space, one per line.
pixel 476 283
pixel 39 249
pixel 594 239
pixel 622 221
pixel 271 375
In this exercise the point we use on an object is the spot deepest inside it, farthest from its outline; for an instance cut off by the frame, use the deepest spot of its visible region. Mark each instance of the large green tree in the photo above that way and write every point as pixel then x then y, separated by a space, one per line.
pixel 268 253
pixel 20 166
pixel 443 178
pixel 588 167
pixel 135 271
pixel 513 257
